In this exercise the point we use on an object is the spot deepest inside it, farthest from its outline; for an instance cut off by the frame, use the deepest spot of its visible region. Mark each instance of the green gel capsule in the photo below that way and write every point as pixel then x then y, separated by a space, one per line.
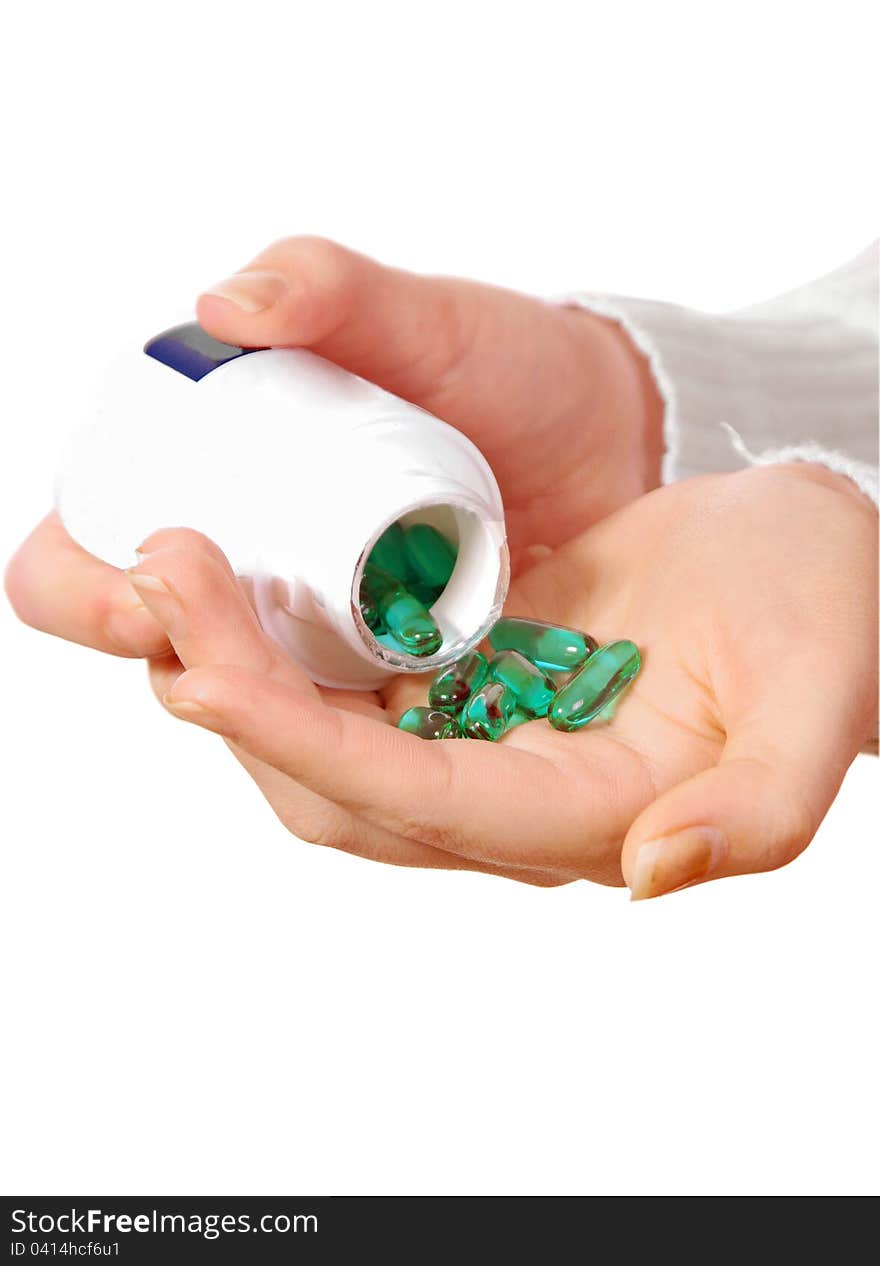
pixel 428 723
pixel 533 689
pixel 412 625
pixel 489 712
pixel 606 673
pixel 392 643
pixel 547 645
pixel 370 611
pixel 389 552
pixel 405 618
pixel 451 689
pixel 430 556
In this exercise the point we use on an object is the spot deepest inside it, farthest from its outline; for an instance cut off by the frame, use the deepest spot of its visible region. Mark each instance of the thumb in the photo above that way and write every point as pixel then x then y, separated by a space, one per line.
pixel 400 330
pixel 479 356
pixel 757 809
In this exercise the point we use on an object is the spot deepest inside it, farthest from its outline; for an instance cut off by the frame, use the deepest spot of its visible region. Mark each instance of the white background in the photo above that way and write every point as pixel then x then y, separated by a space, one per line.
pixel 194 1001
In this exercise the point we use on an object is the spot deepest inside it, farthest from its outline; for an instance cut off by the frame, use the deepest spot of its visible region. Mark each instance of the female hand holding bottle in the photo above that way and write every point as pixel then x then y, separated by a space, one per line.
pixel 758 629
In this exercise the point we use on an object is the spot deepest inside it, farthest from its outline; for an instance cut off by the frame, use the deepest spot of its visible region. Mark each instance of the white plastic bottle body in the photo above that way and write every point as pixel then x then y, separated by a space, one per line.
pixel 295 468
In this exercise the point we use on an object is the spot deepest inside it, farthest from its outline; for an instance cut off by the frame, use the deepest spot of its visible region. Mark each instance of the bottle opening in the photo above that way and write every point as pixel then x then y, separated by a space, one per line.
pixel 429 585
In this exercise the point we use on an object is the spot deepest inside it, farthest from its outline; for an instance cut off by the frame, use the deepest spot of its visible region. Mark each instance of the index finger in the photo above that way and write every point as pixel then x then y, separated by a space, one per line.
pixel 510 804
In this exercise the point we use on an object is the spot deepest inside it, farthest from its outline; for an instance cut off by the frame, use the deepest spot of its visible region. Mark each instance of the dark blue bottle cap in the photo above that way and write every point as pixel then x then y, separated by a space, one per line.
pixel 189 350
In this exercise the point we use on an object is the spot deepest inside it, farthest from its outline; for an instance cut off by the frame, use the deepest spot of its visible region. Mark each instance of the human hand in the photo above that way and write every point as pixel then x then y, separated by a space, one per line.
pixel 752 597
pixel 558 400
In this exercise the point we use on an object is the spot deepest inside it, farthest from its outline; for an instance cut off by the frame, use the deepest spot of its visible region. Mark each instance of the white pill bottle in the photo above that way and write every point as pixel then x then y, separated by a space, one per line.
pixel 295 468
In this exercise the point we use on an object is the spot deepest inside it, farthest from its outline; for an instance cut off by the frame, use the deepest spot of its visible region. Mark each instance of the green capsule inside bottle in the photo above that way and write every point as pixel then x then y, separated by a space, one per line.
pixel 548 645
pixel 370 610
pixel 451 689
pixel 607 672
pixel 533 689
pixel 428 723
pixel 406 619
pixel 412 626
pixel 389 553
pixel 489 712
pixel 431 558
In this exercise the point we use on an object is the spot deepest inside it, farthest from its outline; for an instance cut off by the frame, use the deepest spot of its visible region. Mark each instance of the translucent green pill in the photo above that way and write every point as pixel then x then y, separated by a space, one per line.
pixel 412 625
pixel 406 619
pixel 489 712
pixel 389 552
pixel 547 645
pixel 451 689
pixel 390 643
pixel 533 689
pixel 370 611
pixel 430 556
pixel 606 673
pixel 428 723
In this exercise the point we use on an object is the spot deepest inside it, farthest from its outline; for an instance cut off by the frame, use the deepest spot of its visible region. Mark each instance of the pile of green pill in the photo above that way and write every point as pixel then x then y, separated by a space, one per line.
pixel 404 575
pixel 538 670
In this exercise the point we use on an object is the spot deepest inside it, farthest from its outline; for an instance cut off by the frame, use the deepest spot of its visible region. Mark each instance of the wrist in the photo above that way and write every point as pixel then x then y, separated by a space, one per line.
pixel 631 384
pixel 650 405
pixel 628 409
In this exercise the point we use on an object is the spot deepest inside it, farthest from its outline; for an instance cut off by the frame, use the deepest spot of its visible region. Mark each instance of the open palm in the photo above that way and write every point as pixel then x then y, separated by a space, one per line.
pixel 758 688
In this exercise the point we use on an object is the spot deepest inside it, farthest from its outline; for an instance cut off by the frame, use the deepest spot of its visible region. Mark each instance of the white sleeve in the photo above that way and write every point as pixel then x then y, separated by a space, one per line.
pixel 795 378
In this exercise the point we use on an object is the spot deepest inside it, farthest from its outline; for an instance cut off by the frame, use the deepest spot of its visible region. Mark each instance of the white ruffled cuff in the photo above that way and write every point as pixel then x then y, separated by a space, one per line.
pixel 793 379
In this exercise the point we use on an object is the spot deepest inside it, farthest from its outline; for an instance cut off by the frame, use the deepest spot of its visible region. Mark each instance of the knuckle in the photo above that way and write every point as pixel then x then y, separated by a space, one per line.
pixel 792 822
pixel 442 836
pixel 19 590
pixel 315 259
pixel 314 247
pixel 800 827
pixel 30 588
pixel 183 539
pixel 326 281
pixel 538 879
pixel 324 827
pixel 196 576
pixel 325 274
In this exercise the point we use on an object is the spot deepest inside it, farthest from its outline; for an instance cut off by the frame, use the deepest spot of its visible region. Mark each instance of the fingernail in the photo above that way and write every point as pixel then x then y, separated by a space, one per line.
pixel 676 861
pixel 159 600
pixel 185 708
pixel 250 291
pixel 191 710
